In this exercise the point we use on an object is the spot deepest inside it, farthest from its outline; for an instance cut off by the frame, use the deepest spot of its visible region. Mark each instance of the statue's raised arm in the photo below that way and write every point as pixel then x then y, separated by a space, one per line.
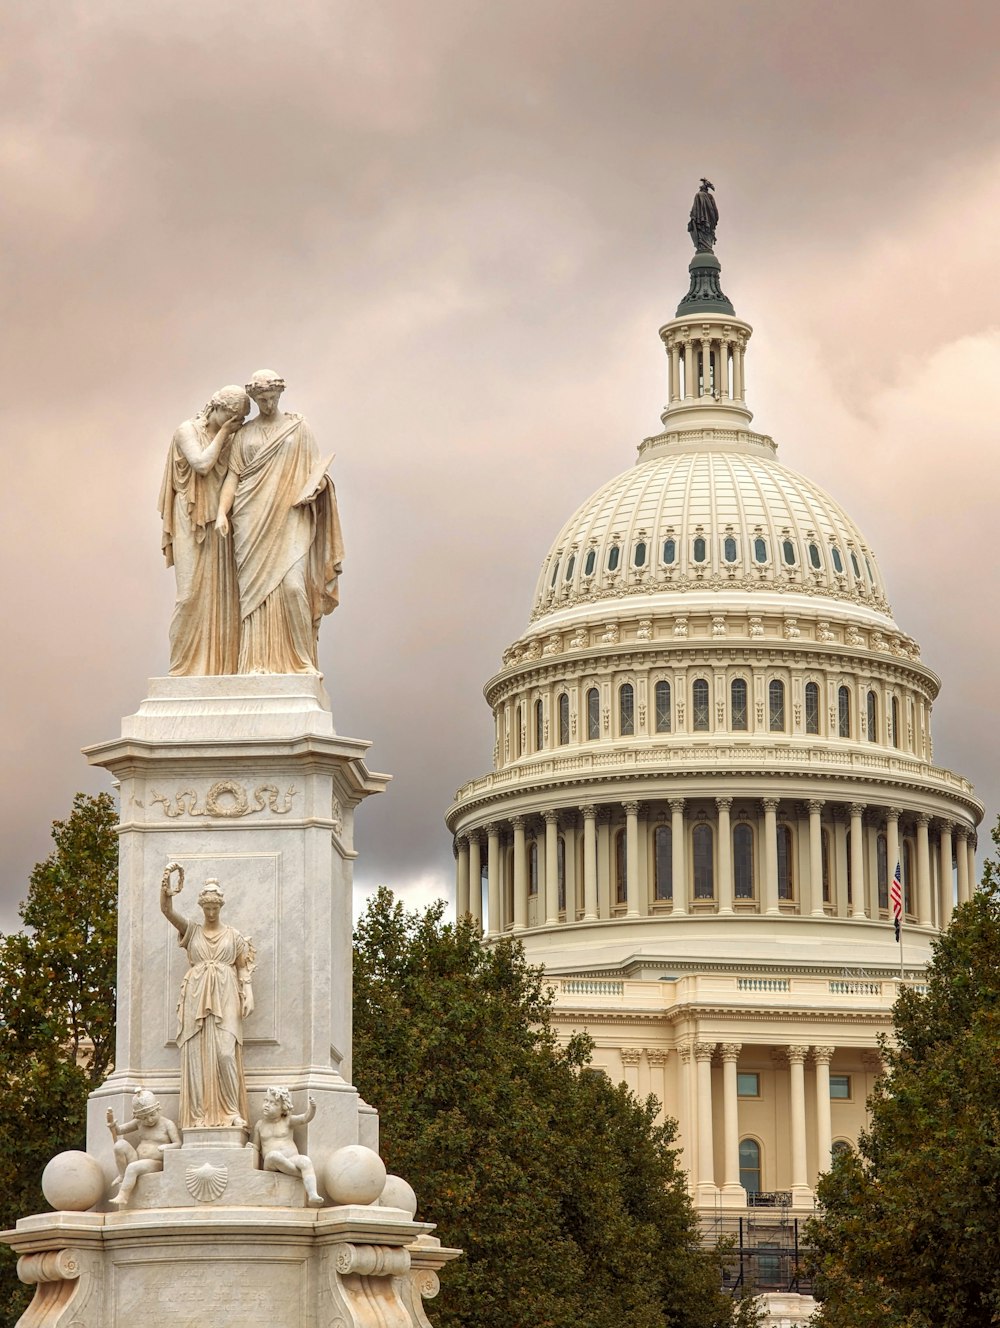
pixel 704 219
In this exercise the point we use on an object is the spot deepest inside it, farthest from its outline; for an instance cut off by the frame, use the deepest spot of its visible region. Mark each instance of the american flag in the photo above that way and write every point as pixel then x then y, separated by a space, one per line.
pixel 896 899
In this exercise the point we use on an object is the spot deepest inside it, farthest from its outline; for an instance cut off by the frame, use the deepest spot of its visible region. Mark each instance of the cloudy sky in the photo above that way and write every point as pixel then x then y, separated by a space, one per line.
pixel 455 227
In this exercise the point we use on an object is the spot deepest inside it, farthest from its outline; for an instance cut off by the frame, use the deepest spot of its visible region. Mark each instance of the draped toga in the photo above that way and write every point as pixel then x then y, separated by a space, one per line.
pixel 204 629
pixel 210 1029
pixel 287 541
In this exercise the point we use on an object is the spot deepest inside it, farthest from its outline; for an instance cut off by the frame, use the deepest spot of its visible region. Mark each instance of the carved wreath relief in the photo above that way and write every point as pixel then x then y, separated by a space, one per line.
pixel 226 798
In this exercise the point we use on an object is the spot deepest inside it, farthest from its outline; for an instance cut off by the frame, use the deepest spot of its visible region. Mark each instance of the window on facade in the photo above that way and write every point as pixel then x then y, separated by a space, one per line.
pixel 838 562
pixel 704 867
pixel 739 718
pixel 698 549
pixel 788 552
pixel 590 562
pixel 563 719
pixel 743 861
pixel 812 707
pixel 844 712
pixel 539 727
pixel 750 1165
pixel 882 870
pixel 776 706
pixel 729 549
pixel 854 564
pixel 561 872
pixel 894 713
pixel 825 852
pixel 639 554
pixel 872 704
pixel 760 550
pixel 669 551
pixel 871 577
pixel 555 572
pixel 533 867
pixel 699 705
pixel 840 1146
pixel 661 697
pixel 517 732
pixel 786 874
pixel 614 553
pixel 621 889
pixel 814 556
pixel 747 1083
pixel 840 1087
pixel 626 710
pixel 593 713
pixel 663 853
pixel 569 566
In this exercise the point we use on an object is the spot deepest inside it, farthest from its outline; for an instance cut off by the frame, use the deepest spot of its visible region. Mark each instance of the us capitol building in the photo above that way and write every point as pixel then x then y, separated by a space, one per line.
pixel 712 746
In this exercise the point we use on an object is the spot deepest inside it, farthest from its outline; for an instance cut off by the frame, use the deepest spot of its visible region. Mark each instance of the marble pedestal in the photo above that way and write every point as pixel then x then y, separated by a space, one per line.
pixel 243 778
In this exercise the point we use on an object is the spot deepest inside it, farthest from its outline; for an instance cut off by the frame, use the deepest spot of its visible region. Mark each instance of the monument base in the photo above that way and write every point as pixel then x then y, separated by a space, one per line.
pixel 227 1267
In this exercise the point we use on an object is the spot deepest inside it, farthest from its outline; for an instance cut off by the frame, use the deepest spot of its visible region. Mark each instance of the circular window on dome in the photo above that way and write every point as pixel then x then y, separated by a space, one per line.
pixel 856 566
pixel 669 551
pixel 614 553
pixel 788 552
pixel 698 549
pixel 760 549
pixel 569 567
pixel 590 563
pixel 639 554
pixel 815 557
pixel 729 549
pixel 838 562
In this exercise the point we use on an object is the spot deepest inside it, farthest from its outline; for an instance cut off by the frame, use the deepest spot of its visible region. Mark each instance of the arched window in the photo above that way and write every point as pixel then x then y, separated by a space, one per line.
pixel 760 550
pixel 698 549
pixel 739 715
pixel 786 866
pixel 844 712
pixel 839 1147
pixel 563 719
pixel 750 1165
pixel 569 567
pixel 517 732
pixel 704 866
pixel 669 551
pixel 639 554
pixel 894 711
pixel 561 872
pixel 593 713
pixel 814 556
pixel 626 710
pixel 590 562
pixel 533 867
pixel 729 550
pixel 872 704
pixel 663 853
pixel 614 553
pixel 699 705
pixel 743 860
pixel 776 706
pixel 871 575
pixel 661 696
pixel 854 564
pixel 825 856
pixel 907 869
pixel 788 552
pixel 555 572
pixel 539 727
pixel 812 707
pixel 621 888
pixel 882 870
pixel 838 562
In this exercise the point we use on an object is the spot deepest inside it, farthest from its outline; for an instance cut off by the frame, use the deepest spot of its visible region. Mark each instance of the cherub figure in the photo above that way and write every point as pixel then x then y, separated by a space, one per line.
pixel 272 1137
pixel 154 1135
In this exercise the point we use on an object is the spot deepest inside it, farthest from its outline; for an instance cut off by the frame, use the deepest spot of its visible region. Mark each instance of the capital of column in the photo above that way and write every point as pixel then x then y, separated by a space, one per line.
pixel 946 827
pixel 796 1055
pixel 551 817
pixel 457 844
pixel 771 804
pixel 676 804
pixel 589 811
pixel 815 805
pixel 631 1055
pixel 630 808
pixel 492 828
pixel 518 822
pixel 684 1053
pixel 656 1057
pixel 731 1050
pixel 823 1055
pixel 704 1051
pixel 961 832
pixel 856 808
pixel 923 819
pixel 723 804
pixel 893 813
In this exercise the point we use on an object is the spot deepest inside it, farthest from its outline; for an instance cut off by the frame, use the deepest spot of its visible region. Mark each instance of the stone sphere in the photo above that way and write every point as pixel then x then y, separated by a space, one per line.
pixel 354 1175
pixel 73 1182
pixel 398 1193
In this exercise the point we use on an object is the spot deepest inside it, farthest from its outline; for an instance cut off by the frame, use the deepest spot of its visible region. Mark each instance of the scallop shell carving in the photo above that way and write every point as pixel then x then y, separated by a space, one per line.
pixel 206 1182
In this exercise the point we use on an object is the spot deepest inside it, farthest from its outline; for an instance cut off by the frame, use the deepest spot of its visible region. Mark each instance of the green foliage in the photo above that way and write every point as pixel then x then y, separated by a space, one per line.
pixel 57 1012
pixel 565 1196
pixel 908 1236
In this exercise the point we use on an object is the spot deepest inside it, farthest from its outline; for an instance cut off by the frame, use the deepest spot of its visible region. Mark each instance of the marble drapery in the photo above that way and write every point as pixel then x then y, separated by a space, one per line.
pixel 210 1029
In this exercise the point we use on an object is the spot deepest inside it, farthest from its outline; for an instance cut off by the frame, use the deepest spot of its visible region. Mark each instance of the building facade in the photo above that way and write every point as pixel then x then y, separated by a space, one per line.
pixel 712 747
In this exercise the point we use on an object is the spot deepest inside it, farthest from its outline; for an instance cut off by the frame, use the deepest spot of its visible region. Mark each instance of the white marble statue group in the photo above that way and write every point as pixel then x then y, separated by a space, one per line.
pixel 250 525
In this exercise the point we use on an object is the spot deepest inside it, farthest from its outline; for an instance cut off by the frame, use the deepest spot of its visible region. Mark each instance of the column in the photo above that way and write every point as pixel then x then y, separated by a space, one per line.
pixel 722 377
pixel 824 1122
pixel 706 367
pixel 970 844
pixel 631 859
pixel 520 875
pixel 705 1188
pixel 657 1061
pixel 689 374
pixel 801 1193
pixel 947 880
pixel 771 855
pixel 675 381
pixel 686 1116
pixel 924 912
pixel 732 1190
pixel 725 891
pixel 551 868
pixel 816 856
pixel 476 878
pixel 569 865
pixel 892 842
pixel 962 862
pixel 604 878
pixel 589 862
pixel 493 878
pixel 857 810
pixel 630 1067
pixel 462 891
pixel 738 370
pixel 678 856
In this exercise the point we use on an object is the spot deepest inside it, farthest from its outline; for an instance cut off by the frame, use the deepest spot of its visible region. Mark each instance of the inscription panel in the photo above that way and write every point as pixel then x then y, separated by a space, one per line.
pixel 202 1293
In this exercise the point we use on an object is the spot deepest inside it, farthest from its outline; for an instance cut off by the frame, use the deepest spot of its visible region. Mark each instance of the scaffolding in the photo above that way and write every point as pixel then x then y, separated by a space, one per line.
pixel 762 1251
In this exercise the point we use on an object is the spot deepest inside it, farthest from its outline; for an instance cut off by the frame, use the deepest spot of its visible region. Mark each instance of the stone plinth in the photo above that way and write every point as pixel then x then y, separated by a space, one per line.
pixel 228 1267
pixel 244 779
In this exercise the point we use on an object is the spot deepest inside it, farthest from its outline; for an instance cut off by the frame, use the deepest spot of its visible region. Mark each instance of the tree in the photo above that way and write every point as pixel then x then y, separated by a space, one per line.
pixel 57 1011
pixel 564 1194
pixel 908 1236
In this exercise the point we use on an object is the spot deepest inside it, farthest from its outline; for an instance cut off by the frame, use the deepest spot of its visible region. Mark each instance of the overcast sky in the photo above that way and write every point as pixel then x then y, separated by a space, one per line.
pixel 455 229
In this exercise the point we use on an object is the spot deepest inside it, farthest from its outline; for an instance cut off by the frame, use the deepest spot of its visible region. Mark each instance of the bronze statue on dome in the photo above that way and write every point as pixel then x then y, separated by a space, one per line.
pixel 704 219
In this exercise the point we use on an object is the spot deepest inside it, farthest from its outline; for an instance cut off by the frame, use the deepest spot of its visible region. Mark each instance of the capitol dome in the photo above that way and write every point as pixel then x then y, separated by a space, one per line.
pixel 712 755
